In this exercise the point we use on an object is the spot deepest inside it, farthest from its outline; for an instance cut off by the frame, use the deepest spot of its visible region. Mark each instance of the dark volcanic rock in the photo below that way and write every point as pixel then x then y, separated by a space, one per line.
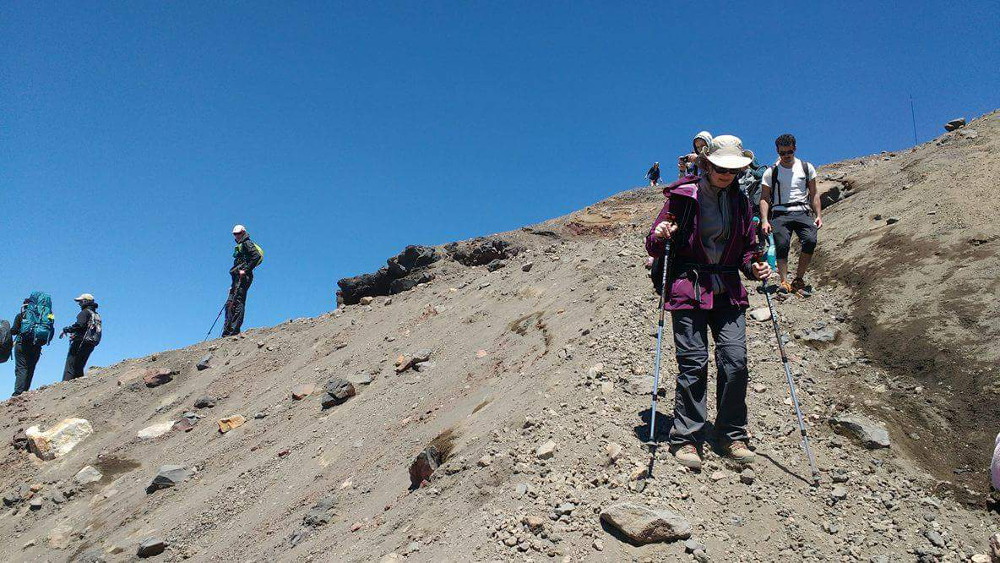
pixel 338 390
pixel 169 476
pixel 154 377
pixel 321 512
pixel 402 273
pixel 482 251
pixel 151 546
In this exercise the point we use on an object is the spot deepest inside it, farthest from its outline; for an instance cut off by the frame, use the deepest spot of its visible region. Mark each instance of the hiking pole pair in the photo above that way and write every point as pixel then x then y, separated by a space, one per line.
pixel 791 382
pixel 229 301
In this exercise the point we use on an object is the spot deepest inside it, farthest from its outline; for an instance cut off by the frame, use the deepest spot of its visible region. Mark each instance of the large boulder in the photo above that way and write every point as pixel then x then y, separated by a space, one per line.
pixel 867 432
pixel 643 525
pixel 954 124
pixel 401 273
pixel 59 439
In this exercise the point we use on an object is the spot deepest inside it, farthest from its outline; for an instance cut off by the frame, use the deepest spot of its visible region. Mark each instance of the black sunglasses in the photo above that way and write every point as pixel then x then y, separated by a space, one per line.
pixel 720 170
pixel 786 153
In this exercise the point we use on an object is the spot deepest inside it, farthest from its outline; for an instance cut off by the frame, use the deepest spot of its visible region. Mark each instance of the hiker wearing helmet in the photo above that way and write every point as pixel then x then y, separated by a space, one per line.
pixel 789 203
pixel 84 336
pixel 246 257
pixel 687 165
pixel 709 223
pixel 653 174
pixel 33 328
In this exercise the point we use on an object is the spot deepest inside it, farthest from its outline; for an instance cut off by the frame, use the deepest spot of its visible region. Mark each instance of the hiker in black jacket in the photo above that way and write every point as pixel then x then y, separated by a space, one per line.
pixel 246 257
pixel 84 336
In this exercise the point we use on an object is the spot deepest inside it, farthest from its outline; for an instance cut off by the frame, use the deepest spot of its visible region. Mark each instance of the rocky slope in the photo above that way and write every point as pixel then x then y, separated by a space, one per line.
pixel 535 391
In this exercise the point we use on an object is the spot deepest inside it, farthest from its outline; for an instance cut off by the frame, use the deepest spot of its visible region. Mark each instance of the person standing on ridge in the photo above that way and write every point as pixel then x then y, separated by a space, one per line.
pixel 687 165
pixel 710 223
pixel 34 328
pixel 84 336
pixel 789 203
pixel 653 174
pixel 246 256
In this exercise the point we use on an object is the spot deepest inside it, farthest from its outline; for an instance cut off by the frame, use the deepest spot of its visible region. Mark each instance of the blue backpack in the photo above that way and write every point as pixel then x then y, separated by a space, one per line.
pixel 38 322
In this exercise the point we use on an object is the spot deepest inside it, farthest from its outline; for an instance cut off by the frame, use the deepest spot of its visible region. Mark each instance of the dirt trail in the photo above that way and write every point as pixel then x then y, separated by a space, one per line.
pixel 561 352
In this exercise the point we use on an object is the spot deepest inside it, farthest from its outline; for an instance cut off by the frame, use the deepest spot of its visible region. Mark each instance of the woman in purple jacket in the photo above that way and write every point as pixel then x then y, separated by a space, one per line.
pixel 713 241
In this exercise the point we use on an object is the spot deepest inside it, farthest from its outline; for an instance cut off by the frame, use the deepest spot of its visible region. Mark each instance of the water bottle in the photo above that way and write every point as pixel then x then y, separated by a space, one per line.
pixel 772 258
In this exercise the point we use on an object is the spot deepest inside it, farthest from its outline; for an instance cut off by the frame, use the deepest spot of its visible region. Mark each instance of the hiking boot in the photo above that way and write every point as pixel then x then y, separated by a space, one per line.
pixel 738 451
pixel 688 456
pixel 784 287
pixel 798 284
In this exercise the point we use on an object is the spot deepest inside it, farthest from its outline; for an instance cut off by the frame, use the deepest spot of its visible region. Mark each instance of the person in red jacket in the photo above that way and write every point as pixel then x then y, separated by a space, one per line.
pixel 710 223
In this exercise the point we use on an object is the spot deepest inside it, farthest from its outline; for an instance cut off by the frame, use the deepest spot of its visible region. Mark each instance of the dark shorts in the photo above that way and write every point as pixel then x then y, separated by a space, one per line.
pixel 787 222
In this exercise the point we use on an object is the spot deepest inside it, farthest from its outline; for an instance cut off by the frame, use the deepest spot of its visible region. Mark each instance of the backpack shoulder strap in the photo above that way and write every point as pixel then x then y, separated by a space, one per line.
pixel 775 187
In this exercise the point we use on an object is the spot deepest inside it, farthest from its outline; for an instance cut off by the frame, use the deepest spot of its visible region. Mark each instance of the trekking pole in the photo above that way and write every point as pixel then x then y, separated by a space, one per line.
pixel 791 382
pixel 209 333
pixel 659 335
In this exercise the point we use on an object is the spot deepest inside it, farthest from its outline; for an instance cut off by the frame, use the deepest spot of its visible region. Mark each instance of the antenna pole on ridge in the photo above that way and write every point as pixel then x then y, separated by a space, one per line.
pixel 913 117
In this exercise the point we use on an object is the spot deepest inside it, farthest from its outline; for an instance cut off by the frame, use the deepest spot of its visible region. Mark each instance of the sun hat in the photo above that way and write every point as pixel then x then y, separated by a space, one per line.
pixel 239 229
pixel 726 151
pixel 84 297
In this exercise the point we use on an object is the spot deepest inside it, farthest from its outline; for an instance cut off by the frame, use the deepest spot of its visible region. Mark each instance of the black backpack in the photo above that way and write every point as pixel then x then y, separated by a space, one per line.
pixel 93 333
pixel 776 189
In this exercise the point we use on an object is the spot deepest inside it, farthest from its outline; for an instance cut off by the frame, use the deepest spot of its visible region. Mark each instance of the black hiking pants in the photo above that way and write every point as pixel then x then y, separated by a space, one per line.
pixel 729 329
pixel 237 303
pixel 800 223
pixel 25 359
pixel 76 359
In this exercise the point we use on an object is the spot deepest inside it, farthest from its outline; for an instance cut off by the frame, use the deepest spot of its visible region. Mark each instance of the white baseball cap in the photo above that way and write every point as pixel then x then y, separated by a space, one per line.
pixel 726 151
pixel 239 229
pixel 84 297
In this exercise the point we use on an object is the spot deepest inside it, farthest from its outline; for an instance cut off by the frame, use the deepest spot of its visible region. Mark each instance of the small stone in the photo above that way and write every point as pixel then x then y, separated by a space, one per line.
pixel 535 524
pixel 204 402
pixel 759 388
pixel 151 546
pixel 35 504
pixel 204 363
pixel 424 465
pixel 321 513
pixel 366 300
pixel 607 388
pixel 485 461
pixel 231 422
pixel 338 391
pixel 935 538
pixel 565 508
pixel 692 545
pixel 303 390
pixel 954 124
pixel 526 267
pixel 356 526
pixel 546 450
pixel 169 476
pixel 718 476
pixel 154 377
pixel 422 356
pixel 88 475
pixel 747 476
pixel 614 451
pixel 892 220
pixel 838 493
pixel 598 544
pixel 521 489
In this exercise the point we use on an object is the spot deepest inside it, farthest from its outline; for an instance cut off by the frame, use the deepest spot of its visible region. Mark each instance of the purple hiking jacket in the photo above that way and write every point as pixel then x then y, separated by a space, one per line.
pixel 681 195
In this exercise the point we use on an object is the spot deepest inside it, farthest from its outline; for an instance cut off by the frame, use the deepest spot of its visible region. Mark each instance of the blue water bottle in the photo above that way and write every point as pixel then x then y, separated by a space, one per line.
pixel 772 258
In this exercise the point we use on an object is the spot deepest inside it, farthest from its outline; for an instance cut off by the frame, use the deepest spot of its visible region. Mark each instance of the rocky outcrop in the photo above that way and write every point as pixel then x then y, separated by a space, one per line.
pixel 478 252
pixel 401 273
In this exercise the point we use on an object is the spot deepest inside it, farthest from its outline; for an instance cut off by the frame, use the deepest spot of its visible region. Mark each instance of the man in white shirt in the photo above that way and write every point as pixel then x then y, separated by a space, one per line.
pixel 789 203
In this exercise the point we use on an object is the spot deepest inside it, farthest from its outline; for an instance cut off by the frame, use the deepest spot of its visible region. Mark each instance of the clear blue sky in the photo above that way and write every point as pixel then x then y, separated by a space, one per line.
pixel 133 135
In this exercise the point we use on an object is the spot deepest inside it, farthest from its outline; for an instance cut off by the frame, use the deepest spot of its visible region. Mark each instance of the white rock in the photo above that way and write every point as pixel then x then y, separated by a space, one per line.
pixel 156 430
pixel 59 439
pixel 87 475
pixel 762 314
pixel 546 450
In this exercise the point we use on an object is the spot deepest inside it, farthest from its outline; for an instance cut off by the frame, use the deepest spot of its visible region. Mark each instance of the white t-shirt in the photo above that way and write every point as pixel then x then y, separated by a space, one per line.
pixel 792 185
